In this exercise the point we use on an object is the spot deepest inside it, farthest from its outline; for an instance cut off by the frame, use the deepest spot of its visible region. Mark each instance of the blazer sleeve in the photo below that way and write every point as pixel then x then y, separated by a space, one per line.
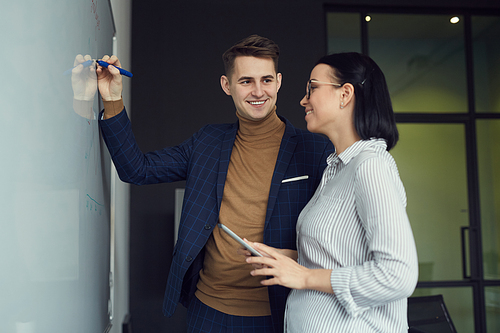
pixel 133 166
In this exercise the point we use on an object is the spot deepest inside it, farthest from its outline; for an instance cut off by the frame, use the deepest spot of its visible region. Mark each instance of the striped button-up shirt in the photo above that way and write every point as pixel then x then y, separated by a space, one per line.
pixel 356 224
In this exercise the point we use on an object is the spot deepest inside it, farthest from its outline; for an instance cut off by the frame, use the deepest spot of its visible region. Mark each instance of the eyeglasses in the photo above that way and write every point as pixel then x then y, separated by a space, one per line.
pixel 308 88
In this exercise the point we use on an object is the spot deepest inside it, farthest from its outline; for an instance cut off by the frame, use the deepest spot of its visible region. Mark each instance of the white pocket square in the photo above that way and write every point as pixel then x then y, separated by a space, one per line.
pixel 294 179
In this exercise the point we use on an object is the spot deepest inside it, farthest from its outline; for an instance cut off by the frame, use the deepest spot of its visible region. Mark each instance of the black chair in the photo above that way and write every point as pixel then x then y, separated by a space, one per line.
pixel 127 324
pixel 428 314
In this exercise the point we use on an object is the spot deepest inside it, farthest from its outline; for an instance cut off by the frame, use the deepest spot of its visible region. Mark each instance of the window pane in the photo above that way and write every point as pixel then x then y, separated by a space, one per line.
pixel 486 36
pixel 459 303
pixel 423 59
pixel 492 295
pixel 344 32
pixel 488 136
pixel 431 162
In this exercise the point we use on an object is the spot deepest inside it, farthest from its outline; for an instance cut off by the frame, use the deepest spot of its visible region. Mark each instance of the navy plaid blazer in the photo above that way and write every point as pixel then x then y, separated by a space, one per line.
pixel 202 161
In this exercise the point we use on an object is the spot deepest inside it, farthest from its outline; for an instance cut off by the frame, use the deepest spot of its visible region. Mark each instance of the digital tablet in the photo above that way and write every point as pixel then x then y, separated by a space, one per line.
pixel 239 240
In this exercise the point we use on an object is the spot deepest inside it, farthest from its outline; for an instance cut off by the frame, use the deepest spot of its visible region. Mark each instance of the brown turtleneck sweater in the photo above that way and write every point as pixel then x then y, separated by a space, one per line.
pixel 225 282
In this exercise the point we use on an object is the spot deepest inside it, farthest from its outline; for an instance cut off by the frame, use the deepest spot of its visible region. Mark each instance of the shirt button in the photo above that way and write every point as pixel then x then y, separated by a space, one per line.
pixel 189 259
pixel 208 226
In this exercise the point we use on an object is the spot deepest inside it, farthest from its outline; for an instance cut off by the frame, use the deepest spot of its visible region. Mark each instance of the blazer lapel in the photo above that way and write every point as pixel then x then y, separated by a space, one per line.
pixel 287 148
pixel 225 156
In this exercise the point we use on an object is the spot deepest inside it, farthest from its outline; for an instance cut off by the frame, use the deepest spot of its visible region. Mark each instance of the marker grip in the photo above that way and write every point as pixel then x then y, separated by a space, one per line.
pixel 122 71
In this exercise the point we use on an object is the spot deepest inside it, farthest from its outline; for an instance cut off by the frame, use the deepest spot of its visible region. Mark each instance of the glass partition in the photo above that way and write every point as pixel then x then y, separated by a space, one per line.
pixel 344 32
pixel 423 59
pixel 442 82
pixel 492 295
pixel 431 162
pixel 486 48
pixel 488 138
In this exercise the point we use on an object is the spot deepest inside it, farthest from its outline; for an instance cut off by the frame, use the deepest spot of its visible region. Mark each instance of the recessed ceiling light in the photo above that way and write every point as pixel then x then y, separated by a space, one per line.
pixel 368 18
pixel 454 20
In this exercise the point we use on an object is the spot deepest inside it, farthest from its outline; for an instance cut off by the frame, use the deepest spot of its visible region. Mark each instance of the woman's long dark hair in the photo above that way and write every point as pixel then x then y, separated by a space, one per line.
pixel 373 113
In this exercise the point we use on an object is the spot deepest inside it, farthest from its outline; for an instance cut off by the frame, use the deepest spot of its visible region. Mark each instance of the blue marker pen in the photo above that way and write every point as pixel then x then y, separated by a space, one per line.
pixel 122 71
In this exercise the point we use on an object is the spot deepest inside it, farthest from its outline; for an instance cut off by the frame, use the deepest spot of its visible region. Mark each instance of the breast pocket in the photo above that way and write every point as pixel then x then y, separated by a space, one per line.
pixel 324 218
pixel 297 191
pixel 292 198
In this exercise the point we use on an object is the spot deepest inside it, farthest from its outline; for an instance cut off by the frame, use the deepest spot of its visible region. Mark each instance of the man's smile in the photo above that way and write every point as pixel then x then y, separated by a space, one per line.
pixel 256 103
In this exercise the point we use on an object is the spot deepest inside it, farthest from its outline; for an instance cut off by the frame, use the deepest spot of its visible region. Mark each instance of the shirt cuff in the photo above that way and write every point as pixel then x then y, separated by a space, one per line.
pixel 341 282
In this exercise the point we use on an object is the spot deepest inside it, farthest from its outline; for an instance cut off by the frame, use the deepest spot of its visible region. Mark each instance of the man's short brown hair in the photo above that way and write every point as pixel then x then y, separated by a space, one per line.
pixel 254 46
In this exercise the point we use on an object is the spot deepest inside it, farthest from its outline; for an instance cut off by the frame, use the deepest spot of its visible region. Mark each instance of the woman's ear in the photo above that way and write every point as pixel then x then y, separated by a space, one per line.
pixel 346 94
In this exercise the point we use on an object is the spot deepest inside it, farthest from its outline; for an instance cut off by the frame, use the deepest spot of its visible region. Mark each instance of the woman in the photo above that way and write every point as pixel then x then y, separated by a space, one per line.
pixel 357 261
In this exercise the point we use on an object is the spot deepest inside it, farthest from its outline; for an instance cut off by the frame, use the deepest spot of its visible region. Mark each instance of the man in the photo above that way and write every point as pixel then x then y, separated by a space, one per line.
pixel 254 176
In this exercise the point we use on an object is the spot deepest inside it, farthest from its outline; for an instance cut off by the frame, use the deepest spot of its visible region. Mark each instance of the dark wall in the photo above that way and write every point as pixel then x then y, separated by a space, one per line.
pixel 176 61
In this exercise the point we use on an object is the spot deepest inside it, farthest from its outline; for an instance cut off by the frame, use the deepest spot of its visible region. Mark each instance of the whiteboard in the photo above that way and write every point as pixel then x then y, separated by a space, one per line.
pixel 55 172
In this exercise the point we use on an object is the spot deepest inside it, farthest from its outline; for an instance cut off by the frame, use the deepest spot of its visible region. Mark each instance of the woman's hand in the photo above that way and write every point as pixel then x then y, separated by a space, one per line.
pixel 286 272
pixel 286 252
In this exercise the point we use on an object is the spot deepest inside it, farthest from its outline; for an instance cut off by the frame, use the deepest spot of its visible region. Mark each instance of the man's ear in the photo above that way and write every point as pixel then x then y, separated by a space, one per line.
pixel 279 77
pixel 224 83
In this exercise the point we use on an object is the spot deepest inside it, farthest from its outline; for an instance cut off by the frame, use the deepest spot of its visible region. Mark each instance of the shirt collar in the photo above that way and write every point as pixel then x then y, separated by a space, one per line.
pixel 353 150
